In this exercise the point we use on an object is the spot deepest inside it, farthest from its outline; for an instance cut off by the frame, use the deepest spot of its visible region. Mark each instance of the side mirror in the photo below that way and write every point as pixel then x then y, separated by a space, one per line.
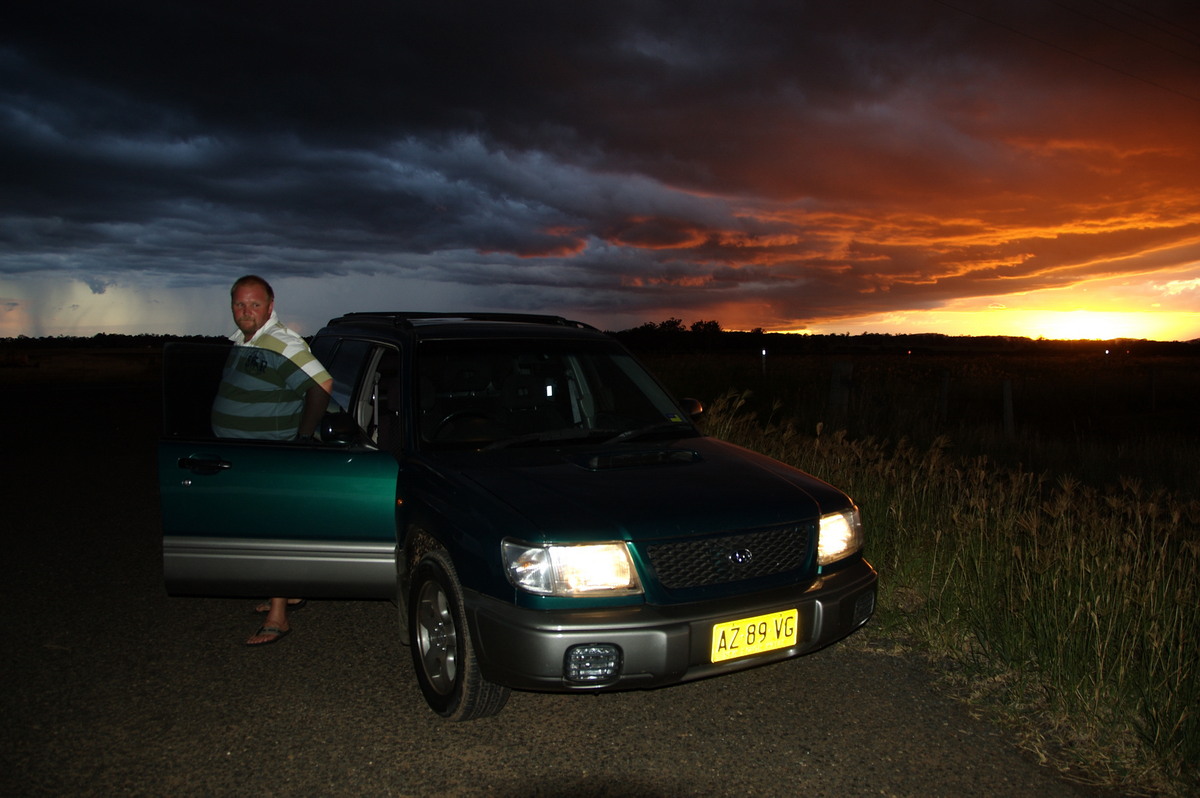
pixel 692 407
pixel 338 428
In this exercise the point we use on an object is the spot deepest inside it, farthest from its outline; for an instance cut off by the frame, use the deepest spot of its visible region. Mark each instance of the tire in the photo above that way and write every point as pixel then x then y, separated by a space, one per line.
pixel 443 655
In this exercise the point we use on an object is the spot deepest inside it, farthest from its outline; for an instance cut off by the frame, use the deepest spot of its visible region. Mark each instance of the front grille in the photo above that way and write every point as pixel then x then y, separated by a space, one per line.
pixel 701 562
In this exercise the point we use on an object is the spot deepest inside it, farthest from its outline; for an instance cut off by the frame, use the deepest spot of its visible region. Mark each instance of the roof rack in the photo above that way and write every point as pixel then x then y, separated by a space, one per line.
pixel 405 318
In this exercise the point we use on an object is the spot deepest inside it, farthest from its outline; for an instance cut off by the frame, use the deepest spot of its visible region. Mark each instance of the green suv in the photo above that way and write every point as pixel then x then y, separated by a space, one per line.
pixel 545 515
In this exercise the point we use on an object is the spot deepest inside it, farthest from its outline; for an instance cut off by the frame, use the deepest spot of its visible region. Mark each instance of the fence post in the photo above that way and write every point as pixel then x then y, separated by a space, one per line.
pixel 942 409
pixel 1010 427
pixel 839 393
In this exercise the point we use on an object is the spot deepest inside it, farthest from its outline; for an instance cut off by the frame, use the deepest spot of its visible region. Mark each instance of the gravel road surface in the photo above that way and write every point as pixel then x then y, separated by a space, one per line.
pixel 113 688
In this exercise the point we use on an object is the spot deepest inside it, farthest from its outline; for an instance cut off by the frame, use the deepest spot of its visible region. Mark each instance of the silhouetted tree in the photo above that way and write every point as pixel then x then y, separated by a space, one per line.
pixel 706 327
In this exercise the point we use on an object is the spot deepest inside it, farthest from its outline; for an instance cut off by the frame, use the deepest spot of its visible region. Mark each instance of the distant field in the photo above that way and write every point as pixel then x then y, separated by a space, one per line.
pixel 1094 416
pixel 60 366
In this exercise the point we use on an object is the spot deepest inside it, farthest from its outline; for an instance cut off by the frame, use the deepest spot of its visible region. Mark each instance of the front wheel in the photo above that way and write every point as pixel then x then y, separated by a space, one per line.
pixel 443 655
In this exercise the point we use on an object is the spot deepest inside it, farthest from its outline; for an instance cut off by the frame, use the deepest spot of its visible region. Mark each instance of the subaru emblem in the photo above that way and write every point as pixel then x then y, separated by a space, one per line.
pixel 741 556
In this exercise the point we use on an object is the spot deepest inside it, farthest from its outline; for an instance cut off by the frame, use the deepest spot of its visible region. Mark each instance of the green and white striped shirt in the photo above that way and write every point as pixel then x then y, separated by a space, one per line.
pixel 262 389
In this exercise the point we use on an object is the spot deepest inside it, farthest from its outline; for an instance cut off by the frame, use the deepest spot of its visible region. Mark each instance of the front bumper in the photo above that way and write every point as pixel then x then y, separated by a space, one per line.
pixel 659 645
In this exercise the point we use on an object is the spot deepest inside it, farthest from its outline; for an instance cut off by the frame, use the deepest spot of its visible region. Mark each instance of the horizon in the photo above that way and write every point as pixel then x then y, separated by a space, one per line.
pixel 653 328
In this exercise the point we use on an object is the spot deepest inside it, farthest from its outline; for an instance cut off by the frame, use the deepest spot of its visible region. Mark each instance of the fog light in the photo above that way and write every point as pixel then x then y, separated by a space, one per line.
pixel 592 663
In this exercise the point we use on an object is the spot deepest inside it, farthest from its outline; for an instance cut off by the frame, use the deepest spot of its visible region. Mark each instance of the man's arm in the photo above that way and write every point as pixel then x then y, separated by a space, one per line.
pixel 316 399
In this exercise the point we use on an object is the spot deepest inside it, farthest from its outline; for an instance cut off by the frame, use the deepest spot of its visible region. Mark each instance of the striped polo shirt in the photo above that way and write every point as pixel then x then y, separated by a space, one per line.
pixel 262 389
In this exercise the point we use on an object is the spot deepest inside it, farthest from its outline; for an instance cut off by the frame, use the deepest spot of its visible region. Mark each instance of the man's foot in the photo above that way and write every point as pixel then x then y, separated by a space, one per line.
pixel 266 635
pixel 292 605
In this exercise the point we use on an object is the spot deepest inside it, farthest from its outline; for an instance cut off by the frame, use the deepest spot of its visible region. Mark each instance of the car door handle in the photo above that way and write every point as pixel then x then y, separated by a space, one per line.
pixel 204 465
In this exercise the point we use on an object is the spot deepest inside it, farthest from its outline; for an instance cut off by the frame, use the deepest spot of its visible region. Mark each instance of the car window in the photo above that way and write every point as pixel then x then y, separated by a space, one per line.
pixel 345 360
pixel 378 403
pixel 474 392
pixel 192 377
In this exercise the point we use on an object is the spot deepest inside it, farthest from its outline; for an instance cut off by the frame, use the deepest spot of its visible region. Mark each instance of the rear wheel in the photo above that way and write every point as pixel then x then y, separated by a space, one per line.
pixel 443 655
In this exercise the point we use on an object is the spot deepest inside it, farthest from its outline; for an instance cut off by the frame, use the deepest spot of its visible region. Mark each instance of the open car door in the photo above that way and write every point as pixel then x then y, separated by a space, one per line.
pixel 268 518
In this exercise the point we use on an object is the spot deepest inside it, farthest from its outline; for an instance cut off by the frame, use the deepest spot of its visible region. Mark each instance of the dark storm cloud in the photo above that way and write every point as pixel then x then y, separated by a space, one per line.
pixel 812 160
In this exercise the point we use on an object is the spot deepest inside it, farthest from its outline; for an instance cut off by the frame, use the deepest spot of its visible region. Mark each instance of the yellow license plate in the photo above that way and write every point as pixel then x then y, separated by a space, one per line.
pixel 747 636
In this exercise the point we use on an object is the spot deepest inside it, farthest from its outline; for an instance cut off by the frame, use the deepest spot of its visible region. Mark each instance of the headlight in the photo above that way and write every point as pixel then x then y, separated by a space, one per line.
pixel 586 569
pixel 841 535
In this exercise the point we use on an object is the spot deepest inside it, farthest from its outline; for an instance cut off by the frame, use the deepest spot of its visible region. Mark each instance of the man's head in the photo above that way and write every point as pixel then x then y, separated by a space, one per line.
pixel 252 301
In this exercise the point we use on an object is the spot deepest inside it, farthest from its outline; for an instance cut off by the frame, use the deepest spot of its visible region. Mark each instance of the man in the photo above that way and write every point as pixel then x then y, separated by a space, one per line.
pixel 273 388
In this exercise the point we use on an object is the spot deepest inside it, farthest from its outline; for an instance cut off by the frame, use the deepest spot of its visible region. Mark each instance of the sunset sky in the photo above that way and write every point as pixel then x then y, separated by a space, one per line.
pixel 964 167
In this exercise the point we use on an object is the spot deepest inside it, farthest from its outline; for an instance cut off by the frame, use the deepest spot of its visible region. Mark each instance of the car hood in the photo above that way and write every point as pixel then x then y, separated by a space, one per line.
pixel 649 491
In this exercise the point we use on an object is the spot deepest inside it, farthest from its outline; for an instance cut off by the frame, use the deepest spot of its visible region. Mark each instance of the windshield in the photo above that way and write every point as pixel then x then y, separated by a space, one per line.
pixel 480 394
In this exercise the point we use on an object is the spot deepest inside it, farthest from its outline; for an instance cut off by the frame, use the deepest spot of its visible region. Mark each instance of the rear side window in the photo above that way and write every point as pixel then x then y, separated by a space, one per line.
pixel 366 383
pixel 344 359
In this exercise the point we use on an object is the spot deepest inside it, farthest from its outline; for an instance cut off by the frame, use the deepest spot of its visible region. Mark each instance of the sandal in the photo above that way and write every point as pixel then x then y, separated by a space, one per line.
pixel 276 633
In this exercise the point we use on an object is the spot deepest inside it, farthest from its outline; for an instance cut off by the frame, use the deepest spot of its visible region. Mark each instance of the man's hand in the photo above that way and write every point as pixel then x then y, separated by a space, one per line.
pixel 316 399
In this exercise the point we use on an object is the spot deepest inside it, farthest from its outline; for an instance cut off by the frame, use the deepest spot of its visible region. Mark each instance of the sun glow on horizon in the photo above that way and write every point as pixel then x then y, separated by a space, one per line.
pixel 1068 325
pixel 1079 325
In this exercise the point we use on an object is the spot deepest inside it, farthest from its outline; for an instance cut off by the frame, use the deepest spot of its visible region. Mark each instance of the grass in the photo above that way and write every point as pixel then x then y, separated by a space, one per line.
pixel 1070 607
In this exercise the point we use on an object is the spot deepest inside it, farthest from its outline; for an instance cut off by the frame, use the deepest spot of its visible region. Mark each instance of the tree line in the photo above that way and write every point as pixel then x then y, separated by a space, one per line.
pixel 674 335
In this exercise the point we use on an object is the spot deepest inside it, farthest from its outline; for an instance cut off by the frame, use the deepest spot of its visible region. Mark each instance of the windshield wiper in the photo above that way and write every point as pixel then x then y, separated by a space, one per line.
pixel 566 434
pixel 638 432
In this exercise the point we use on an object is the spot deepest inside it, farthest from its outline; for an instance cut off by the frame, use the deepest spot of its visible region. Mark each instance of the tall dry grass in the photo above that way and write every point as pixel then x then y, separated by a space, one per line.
pixel 1075 608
